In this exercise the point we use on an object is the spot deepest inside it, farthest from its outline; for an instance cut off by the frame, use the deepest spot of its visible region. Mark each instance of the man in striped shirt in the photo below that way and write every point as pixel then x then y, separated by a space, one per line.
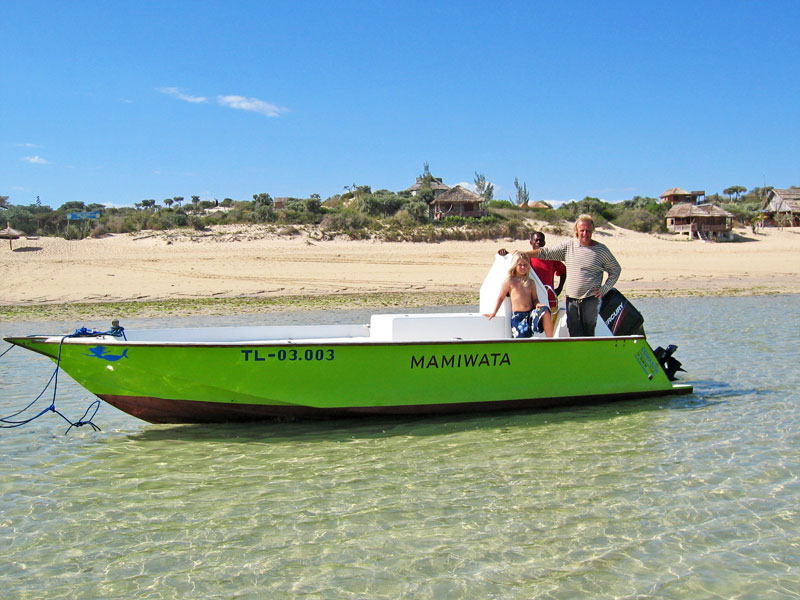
pixel 586 262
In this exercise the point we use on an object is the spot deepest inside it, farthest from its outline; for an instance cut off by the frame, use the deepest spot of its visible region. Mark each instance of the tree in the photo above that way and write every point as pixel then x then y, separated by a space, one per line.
pixel 74 205
pixel 484 188
pixel 168 202
pixel 262 199
pixel 178 200
pixel 381 203
pixel 4 202
pixel 196 202
pixel 734 189
pixel 522 193
pixel 758 194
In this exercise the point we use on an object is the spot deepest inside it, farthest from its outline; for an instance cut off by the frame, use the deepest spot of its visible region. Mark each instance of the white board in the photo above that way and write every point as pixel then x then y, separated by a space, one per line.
pixel 493 281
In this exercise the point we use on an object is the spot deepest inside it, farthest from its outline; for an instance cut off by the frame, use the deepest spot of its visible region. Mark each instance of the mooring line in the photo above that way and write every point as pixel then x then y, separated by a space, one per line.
pixel 9 423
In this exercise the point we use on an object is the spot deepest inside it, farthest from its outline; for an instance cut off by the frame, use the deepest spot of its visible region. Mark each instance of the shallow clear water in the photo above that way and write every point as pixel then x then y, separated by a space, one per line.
pixel 691 496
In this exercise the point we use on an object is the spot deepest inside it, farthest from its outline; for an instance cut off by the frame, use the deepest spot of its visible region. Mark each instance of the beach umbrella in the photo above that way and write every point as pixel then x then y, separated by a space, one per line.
pixel 10 234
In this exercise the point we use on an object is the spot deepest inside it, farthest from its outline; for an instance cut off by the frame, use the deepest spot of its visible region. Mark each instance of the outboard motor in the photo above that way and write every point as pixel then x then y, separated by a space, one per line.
pixel 669 363
pixel 619 315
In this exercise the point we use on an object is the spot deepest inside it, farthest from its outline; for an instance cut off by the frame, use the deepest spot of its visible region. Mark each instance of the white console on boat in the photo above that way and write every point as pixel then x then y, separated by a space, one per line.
pixel 433 327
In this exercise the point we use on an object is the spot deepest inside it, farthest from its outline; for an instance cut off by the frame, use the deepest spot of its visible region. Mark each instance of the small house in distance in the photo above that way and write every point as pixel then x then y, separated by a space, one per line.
pixel 702 221
pixel 539 204
pixel 457 202
pixel 677 195
pixel 782 207
pixel 436 186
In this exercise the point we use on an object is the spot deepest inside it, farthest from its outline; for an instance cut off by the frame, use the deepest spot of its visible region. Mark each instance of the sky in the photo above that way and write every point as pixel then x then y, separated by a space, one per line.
pixel 116 102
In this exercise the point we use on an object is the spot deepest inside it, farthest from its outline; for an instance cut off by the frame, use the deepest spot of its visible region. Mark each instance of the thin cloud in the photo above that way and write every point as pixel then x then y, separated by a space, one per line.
pixel 612 190
pixel 252 105
pixel 466 185
pixel 35 160
pixel 474 188
pixel 176 93
pixel 236 102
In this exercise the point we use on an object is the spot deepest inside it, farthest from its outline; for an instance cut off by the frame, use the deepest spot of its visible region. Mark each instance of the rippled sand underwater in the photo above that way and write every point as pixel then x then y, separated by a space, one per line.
pixel 691 496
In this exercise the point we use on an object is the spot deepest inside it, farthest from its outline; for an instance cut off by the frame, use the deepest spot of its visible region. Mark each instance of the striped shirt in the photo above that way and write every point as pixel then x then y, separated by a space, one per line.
pixel 585 266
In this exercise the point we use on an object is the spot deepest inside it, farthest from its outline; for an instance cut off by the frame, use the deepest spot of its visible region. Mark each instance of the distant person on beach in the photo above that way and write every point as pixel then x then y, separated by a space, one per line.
pixel 586 262
pixel 528 314
pixel 546 270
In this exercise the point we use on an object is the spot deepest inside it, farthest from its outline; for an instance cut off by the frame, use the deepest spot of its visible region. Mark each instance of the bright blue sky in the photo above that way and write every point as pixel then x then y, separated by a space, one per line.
pixel 116 102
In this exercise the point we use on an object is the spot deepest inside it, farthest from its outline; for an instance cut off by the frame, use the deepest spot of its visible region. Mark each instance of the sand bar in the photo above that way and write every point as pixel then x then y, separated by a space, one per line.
pixel 258 269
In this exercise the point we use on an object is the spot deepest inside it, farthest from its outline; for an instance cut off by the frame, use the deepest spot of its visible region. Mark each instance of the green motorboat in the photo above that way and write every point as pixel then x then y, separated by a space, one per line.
pixel 397 364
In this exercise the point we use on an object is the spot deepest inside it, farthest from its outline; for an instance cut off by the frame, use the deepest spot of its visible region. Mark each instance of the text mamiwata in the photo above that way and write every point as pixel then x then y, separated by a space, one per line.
pixel 458 361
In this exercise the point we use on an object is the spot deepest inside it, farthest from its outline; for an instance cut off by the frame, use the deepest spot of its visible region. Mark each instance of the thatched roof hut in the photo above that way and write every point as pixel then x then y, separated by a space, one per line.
pixel 539 204
pixel 695 210
pixel 784 206
pixel 704 221
pixel 435 184
pixel 457 201
pixel 676 195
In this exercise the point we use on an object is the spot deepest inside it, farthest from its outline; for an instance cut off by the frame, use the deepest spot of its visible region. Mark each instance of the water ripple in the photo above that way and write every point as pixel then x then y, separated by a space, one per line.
pixel 691 496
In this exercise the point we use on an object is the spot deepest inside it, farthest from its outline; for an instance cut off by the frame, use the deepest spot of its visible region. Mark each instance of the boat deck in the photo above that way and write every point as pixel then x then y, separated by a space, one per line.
pixel 384 328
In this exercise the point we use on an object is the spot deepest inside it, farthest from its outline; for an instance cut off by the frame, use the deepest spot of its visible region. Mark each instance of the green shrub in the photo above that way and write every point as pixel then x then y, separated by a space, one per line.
pixel 501 204
pixel 639 219
pixel 98 231
pixel 73 233
pixel 264 213
pixel 347 222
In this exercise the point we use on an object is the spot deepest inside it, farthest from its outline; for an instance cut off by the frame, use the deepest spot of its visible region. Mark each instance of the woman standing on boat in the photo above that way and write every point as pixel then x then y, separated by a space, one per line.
pixel 586 262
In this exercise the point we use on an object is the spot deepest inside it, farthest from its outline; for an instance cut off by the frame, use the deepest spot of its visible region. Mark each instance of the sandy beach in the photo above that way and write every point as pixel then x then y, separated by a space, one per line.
pixel 239 262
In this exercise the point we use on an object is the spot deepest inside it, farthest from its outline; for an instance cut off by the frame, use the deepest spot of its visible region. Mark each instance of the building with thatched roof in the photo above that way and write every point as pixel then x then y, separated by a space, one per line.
pixel 539 204
pixel 677 195
pixel 782 207
pixel 703 221
pixel 457 202
pixel 435 184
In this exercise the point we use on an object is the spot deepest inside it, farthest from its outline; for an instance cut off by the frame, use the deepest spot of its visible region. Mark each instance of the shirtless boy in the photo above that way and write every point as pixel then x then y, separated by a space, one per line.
pixel 524 298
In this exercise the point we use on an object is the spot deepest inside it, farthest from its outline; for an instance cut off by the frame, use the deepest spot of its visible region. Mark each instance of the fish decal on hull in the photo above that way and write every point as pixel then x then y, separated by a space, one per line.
pixel 103 353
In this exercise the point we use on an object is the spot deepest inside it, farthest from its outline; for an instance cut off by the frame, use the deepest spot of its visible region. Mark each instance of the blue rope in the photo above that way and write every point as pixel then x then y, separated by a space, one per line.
pixel 115 330
pixel 9 423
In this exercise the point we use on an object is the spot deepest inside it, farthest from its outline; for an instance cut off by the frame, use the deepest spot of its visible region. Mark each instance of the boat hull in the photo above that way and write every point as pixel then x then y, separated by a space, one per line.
pixel 175 382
